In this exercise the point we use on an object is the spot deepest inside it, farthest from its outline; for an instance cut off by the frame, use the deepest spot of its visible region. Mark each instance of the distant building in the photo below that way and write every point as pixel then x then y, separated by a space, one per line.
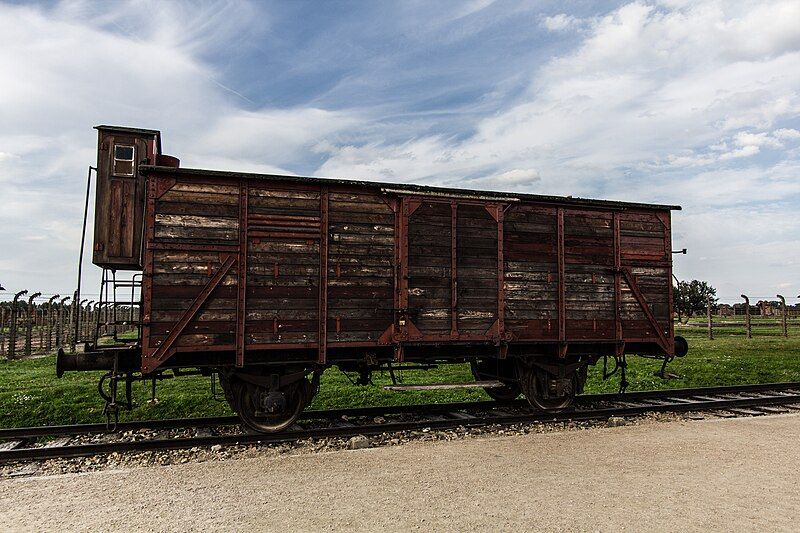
pixel 725 310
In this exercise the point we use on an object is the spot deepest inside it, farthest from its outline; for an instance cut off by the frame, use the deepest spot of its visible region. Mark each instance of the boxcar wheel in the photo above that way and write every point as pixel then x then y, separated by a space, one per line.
pixel 248 400
pixel 535 384
pixel 487 369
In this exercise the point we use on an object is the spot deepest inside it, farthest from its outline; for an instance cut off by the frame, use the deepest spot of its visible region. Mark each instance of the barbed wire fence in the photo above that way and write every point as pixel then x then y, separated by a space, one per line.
pixel 750 317
pixel 33 324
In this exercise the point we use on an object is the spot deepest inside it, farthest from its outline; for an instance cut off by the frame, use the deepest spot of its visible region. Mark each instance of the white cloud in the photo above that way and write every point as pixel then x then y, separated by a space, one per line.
pixel 648 93
pixel 786 133
pixel 744 151
pixel 561 22
pixel 70 66
pixel 745 139
pixel 685 102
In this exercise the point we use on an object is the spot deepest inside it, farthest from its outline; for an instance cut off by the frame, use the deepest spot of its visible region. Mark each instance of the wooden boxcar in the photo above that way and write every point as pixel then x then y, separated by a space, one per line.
pixel 268 279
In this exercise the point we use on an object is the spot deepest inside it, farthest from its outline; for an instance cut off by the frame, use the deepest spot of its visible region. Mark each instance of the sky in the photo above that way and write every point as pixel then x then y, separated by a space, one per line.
pixel 690 103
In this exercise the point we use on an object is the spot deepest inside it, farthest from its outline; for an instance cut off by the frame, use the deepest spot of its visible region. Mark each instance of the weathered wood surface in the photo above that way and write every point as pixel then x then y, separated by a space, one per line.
pixel 448 290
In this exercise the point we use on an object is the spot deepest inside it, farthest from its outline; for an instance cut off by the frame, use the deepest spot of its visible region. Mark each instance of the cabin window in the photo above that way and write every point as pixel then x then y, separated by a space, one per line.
pixel 123 159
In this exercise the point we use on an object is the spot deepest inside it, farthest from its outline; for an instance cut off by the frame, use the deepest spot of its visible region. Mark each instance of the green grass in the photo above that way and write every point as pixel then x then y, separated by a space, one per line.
pixel 30 394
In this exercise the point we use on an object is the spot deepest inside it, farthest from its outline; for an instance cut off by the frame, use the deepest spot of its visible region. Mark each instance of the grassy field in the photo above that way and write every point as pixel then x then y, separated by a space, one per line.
pixel 30 394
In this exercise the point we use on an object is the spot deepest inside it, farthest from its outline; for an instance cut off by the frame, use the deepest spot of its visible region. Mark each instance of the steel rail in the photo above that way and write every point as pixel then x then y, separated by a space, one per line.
pixel 354 412
pixel 694 401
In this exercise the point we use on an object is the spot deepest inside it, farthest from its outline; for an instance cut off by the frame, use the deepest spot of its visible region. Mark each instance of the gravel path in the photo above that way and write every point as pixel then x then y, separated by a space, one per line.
pixel 731 474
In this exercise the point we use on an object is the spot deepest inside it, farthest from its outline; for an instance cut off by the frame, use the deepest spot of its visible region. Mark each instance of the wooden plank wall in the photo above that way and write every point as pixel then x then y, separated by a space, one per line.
pixel 588 275
pixel 476 272
pixel 429 268
pixel 194 213
pixel 361 255
pixel 282 265
pixel 645 246
pixel 283 270
pixel 531 271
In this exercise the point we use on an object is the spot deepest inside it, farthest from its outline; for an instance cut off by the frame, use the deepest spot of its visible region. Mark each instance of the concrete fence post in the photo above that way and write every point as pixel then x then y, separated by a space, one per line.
pixel 40 316
pixel 747 324
pixel 784 324
pixel 88 320
pixel 710 320
pixel 60 321
pixel 50 321
pixel 3 331
pixel 12 333
pixel 29 326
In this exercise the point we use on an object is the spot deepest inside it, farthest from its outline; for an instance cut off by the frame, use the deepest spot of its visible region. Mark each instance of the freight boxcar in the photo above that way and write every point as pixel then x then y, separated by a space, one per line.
pixel 266 280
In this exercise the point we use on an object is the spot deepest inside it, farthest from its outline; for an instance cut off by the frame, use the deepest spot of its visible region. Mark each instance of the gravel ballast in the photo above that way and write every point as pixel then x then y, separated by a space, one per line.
pixel 679 475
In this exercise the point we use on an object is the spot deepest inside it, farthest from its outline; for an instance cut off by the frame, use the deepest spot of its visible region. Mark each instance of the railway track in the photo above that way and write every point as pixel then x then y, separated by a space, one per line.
pixel 21 444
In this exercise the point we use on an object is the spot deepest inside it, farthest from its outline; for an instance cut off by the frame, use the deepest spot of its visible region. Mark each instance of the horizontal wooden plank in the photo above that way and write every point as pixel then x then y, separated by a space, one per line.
pixel 197 208
pixel 284 194
pixel 199 198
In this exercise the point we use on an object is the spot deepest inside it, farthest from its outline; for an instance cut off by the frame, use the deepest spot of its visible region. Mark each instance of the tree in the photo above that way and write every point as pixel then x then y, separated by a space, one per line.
pixel 690 297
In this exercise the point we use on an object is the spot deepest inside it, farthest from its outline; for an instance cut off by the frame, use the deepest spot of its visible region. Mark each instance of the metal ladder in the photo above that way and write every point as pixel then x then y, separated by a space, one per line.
pixel 115 316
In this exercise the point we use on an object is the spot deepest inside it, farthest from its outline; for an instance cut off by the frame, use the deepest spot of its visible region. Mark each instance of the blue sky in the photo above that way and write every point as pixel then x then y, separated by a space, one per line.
pixel 694 103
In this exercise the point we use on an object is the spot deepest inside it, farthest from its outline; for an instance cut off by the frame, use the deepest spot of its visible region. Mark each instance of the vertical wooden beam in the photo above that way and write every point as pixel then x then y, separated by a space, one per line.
pixel 562 301
pixel 241 300
pixel 453 270
pixel 322 341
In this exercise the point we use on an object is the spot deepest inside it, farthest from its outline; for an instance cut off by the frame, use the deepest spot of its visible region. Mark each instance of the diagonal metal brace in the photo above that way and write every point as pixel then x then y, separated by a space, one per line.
pixel 664 342
pixel 163 351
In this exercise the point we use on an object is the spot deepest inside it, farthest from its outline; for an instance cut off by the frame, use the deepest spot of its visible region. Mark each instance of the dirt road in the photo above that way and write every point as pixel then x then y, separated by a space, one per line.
pixel 732 474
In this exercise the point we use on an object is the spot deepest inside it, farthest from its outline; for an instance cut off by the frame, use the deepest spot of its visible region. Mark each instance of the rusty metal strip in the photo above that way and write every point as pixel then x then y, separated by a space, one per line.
pixel 454 270
pixel 241 300
pixel 403 273
pixel 617 285
pixel 149 220
pixel 562 302
pixel 163 185
pixel 284 219
pixel 322 340
pixel 284 235
pixel 668 256
pixel 501 265
pixel 663 342
pixel 413 205
pixel 151 361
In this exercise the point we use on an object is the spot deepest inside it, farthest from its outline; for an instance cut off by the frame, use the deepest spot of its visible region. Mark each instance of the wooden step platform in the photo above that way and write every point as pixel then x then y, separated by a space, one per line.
pixel 490 384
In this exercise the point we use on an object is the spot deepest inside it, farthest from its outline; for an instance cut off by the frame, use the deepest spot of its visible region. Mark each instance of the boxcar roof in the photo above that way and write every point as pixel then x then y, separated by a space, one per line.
pixel 407 188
